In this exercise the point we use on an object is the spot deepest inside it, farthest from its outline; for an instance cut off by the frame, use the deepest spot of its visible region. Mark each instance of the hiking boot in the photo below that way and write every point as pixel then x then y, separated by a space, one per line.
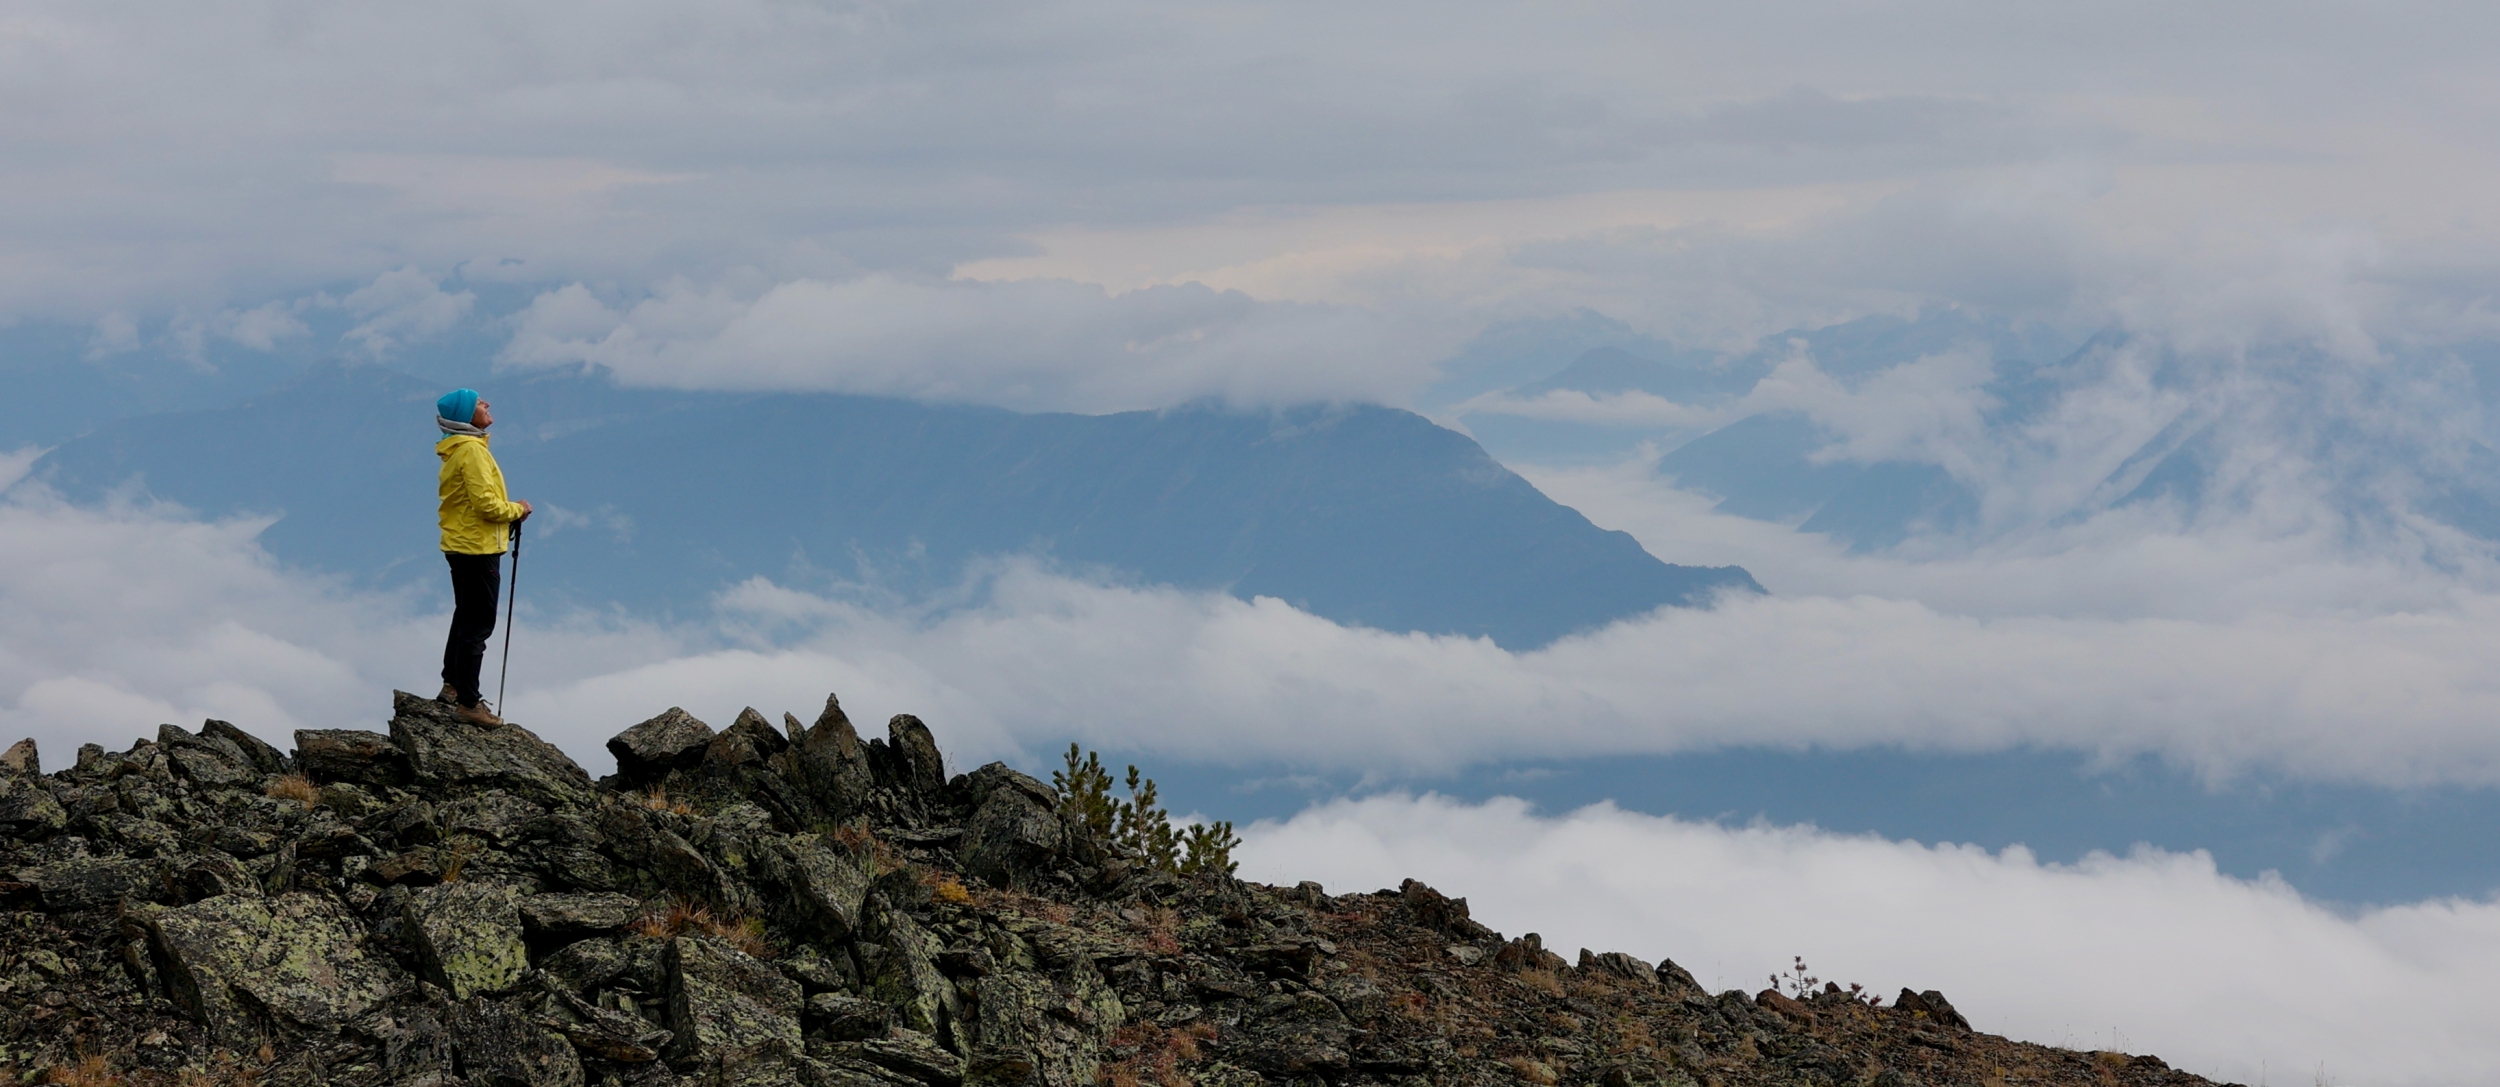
pixel 480 715
pixel 450 695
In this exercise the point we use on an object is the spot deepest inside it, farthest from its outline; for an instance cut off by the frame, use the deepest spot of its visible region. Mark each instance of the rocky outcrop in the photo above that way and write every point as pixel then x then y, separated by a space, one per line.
pixel 445 906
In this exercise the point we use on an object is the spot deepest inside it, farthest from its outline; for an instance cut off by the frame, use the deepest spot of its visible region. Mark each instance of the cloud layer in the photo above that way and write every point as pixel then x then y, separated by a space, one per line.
pixel 2149 953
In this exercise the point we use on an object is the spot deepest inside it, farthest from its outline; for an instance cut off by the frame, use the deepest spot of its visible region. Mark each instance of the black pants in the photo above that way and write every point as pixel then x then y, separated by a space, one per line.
pixel 476 580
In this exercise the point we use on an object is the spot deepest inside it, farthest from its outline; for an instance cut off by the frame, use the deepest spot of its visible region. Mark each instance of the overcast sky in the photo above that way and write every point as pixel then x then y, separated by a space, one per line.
pixel 1096 206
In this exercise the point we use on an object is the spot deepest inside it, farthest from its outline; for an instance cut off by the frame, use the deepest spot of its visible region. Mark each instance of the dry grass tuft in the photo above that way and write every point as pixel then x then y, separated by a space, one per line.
pixel 295 787
pixel 949 890
pixel 93 1071
pixel 656 798
pixel 1532 1070
pixel 667 919
pixel 1160 1053
pixel 1543 981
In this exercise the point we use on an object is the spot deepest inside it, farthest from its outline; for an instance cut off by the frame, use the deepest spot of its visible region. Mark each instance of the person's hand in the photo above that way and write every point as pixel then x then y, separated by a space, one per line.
pixel 526 509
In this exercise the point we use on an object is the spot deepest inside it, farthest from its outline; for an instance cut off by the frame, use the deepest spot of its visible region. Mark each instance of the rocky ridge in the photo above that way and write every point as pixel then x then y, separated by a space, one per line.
pixel 444 905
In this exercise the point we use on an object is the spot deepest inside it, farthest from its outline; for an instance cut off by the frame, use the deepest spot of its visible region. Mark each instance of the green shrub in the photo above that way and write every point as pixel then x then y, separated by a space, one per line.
pixel 1138 827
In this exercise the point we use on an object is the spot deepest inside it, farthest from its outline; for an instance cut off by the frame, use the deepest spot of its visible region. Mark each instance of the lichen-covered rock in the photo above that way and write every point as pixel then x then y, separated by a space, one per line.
pixel 830 765
pixel 919 767
pixel 1294 1034
pixel 246 967
pixel 915 1055
pixel 262 757
pixel 905 975
pixel 501 1046
pixel 578 914
pixel 447 753
pixel 1024 1036
pixel 348 754
pixel 827 886
pixel 85 883
pixel 22 759
pixel 646 753
pixel 585 965
pixel 735 1019
pixel 748 741
pixel 468 935
pixel 1014 834
pixel 27 808
pixel 845 1018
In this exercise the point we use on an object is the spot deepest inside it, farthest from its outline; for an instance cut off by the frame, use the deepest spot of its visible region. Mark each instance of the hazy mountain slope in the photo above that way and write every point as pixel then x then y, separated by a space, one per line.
pixel 1362 514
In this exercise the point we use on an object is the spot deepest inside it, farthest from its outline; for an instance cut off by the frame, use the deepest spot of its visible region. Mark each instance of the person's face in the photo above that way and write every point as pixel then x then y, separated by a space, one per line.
pixel 483 418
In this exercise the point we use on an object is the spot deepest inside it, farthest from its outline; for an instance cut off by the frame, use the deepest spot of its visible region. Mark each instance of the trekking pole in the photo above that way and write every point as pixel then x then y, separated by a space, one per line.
pixel 511 596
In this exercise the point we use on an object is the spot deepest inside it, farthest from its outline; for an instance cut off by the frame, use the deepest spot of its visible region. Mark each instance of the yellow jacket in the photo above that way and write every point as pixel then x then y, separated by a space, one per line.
pixel 476 514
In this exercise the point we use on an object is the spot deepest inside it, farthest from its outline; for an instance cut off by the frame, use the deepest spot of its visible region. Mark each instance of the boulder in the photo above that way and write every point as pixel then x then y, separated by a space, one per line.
pixel 494 815
pixel 1014 834
pixel 206 761
pixel 1294 1034
pixel 608 1035
pixel 919 768
pixel 1018 1040
pixel 22 759
pixel 27 808
pixel 915 1055
pixel 827 886
pixel 585 964
pixel 830 765
pixel 468 937
pixel 846 1018
pixel 263 758
pixel 85 883
pixel 578 914
pixel 645 753
pixel 906 975
pixel 349 754
pixel 1619 967
pixel 500 1046
pixel 748 741
pixel 447 753
pixel 1932 1006
pixel 243 966
pixel 735 1020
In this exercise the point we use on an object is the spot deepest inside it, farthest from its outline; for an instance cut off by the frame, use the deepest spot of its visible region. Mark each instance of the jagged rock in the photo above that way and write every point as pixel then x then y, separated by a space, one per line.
pixel 1295 1034
pixel 1014 832
pixel 1440 912
pixel 1930 1005
pixel 919 766
pixel 348 754
pixel 494 815
pixel 585 965
pixel 846 1018
pixel 906 974
pixel 501 1046
pixel 263 758
pixel 27 809
pixel 578 914
pixel 748 741
pixel 1619 967
pixel 828 887
pixel 22 759
pixel 85 883
pixel 244 966
pixel 915 1055
pixel 1676 979
pixel 646 753
pixel 205 761
pixel 736 1020
pixel 608 1035
pixel 468 935
pixel 1017 1040
pixel 445 752
pixel 1527 953
pixel 830 765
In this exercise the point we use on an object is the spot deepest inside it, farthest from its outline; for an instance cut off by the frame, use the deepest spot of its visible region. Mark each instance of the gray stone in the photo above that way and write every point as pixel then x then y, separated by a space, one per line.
pixel 1617 966
pixel 915 1055
pixel 585 965
pixel 494 815
pixel 27 808
pixel 349 754
pixel 906 975
pixel 916 755
pixel 204 761
pixel 468 937
pixel 828 885
pixel 447 753
pixel 1019 1040
pixel 499 1046
pixel 748 741
pixel 1295 1034
pixel 645 753
pixel 736 1020
pixel 830 764
pixel 86 883
pixel 1932 1006
pixel 22 759
pixel 606 1034
pixel 846 1018
pixel 244 965
pixel 263 758
pixel 1014 835
pixel 578 914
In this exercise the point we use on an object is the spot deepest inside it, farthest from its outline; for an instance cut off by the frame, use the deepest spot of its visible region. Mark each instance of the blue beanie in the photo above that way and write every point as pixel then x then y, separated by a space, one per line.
pixel 458 405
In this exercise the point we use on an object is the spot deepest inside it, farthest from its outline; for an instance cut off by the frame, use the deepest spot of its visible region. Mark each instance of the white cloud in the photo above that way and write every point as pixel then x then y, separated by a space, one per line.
pixel 2153 952
pixel 403 305
pixel 1040 344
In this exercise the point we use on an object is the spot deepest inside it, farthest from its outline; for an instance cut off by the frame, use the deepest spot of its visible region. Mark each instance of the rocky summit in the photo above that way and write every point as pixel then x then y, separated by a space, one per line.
pixel 445 905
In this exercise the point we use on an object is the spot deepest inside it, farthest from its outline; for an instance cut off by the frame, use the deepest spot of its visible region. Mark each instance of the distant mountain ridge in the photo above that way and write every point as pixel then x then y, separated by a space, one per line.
pixel 657 499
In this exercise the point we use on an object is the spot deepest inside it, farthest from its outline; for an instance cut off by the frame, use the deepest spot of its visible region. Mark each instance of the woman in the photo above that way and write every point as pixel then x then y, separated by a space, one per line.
pixel 477 518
